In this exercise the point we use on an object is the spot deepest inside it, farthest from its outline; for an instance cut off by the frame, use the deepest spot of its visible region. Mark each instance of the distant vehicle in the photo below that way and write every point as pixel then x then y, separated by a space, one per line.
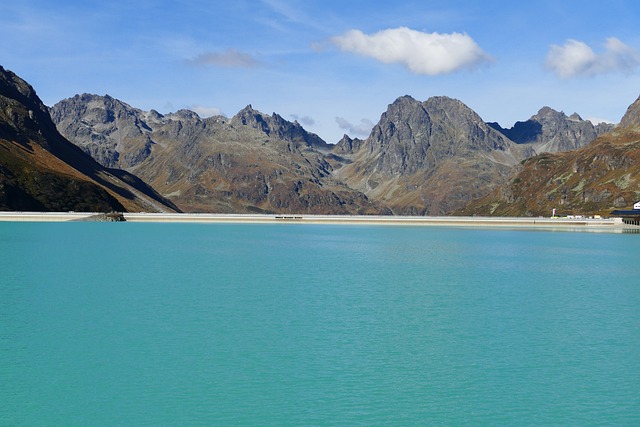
pixel 636 206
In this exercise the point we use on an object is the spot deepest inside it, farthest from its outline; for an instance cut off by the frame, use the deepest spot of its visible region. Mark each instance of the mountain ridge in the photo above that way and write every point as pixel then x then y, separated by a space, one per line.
pixel 421 158
pixel 249 163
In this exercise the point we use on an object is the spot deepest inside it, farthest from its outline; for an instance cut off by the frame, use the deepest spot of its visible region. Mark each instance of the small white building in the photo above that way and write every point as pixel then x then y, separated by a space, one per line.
pixel 636 205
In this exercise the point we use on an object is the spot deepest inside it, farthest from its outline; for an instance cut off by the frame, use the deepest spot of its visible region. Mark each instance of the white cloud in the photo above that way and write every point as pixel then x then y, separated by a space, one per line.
pixel 422 53
pixel 230 58
pixel 576 58
pixel 362 129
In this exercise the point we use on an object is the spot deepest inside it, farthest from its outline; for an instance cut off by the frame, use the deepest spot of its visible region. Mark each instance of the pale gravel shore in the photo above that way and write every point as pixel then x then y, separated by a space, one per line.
pixel 44 216
pixel 608 223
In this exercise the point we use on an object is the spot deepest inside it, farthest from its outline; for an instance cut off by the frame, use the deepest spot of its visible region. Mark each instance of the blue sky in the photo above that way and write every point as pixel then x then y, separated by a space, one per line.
pixel 332 65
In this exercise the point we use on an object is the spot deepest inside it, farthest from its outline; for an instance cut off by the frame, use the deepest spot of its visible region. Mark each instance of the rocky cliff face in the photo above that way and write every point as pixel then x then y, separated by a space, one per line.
pixel 41 170
pixel 249 163
pixel 112 132
pixel 430 157
pixel 23 116
pixel 551 131
pixel 631 119
pixel 594 179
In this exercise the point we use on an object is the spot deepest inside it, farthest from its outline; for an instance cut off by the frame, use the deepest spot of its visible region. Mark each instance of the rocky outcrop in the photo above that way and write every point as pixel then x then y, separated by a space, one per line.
pixel 104 217
pixel 550 131
pixel 631 119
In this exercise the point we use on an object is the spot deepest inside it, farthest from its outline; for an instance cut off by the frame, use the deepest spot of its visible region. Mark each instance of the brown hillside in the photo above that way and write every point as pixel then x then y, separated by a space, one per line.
pixel 603 176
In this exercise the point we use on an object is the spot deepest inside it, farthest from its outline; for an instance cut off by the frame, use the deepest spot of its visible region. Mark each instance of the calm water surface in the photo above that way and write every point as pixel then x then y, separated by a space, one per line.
pixel 209 324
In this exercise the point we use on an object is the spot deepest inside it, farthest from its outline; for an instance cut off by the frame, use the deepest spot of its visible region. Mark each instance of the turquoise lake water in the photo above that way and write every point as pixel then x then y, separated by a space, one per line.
pixel 297 325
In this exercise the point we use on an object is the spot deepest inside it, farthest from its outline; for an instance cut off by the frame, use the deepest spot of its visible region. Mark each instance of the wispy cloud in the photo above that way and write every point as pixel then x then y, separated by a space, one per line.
pixel 421 53
pixel 204 111
pixel 305 120
pixel 361 129
pixel 285 12
pixel 285 9
pixel 576 58
pixel 230 58
pixel 598 120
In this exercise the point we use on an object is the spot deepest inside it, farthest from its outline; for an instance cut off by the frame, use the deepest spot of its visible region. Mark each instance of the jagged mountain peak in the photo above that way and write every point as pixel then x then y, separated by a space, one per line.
pixel 275 126
pixel 400 108
pixel 104 108
pixel 105 99
pixel 184 114
pixel 442 123
pixel 548 113
pixel 347 144
pixel 403 99
pixel 399 123
pixel 443 101
pixel 247 110
pixel 248 116
pixel 453 110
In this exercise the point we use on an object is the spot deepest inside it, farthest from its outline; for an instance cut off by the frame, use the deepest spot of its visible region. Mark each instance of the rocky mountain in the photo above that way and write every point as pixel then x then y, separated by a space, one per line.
pixel 250 163
pixel 428 157
pixel 422 158
pixel 42 171
pixel 551 131
pixel 595 179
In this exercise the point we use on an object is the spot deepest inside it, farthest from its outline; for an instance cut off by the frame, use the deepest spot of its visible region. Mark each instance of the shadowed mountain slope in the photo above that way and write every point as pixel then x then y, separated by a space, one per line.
pixel 42 171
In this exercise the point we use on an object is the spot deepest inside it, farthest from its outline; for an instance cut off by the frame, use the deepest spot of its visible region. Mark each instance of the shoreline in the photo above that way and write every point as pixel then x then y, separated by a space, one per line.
pixel 452 221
